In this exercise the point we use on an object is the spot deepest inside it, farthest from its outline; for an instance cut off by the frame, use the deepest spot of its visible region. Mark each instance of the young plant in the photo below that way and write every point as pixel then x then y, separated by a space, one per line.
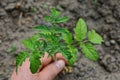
pixel 54 39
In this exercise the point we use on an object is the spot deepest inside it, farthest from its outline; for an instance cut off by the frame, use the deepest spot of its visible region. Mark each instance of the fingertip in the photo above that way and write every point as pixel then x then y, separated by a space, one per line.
pixel 61 57
pixel 60 64
pixel 52 70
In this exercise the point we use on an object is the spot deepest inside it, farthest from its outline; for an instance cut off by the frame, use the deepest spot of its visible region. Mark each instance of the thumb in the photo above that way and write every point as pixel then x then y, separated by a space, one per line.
pixel 50 71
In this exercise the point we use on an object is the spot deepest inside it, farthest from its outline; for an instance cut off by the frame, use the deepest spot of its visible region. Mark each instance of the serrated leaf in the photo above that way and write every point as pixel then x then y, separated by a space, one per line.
pixel 80 30
pixel 73 51
pixel 54 50
pixel 21 58
pixel 94 37
pixel 66 54
pixel 28 44
pixel 48 18
pixel 55 13
pixel 43 29
pixel 32 43
pixel 61 19
pixel 44 44
pixel 58 30
pixel 47 48
pixel 89 51
pixel 34 62
pixel 67 37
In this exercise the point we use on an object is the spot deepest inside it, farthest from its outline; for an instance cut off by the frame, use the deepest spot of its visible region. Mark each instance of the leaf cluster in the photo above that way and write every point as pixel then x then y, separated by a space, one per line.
pixel 54 39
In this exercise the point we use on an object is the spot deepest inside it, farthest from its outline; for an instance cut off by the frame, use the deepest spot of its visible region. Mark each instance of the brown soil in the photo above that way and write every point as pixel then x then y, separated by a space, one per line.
pixel 104 16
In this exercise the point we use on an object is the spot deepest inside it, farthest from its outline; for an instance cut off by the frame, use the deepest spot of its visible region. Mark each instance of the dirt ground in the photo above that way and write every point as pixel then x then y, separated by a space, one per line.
pixel 103 16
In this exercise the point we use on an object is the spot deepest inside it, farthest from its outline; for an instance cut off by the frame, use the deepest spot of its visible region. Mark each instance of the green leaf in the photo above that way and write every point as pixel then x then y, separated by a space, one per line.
pixel 48 18
pixel 32 43
pixel 47 48
pixel 21 58
pixel 94 37
pixel 55 13
pixel 61 19
pixel 66 54
pixel 67 37
pixel 12 48
pixel 34 62
pixel 43 29
pixel 54 50
pixel 58 30
pixel 89 51
pixel 80 30
pixel 73 51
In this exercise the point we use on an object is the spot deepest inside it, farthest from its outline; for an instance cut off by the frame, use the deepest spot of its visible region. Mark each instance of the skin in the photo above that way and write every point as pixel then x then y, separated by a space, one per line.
pixel 48 70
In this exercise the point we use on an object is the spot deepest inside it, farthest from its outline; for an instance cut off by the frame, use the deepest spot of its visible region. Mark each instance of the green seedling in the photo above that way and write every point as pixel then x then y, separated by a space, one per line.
pixel 33 9
pixel 54 39
pixel 12 48
pixel 95 1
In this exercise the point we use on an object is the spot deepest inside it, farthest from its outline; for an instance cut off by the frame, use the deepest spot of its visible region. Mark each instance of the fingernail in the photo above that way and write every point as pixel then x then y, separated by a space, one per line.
pixel 60 64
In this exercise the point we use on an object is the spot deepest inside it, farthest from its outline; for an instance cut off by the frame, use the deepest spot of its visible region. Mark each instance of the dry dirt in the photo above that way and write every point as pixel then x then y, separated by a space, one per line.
pixel 103 16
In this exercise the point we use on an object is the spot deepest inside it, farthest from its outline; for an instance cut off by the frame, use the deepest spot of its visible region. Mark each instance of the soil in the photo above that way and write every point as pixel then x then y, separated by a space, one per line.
pixel 103 16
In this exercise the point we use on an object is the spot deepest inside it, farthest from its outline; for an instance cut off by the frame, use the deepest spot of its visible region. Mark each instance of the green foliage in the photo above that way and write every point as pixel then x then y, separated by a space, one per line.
pixel 33 9
pixel 21 58
pixel 89 51
pixel 54 39
pixel 55 17
pixel 12 48
pixel 80 30
pixel 95 1
pixel 67 37
pixel 35 62
pixel 94 37
pixel 32 43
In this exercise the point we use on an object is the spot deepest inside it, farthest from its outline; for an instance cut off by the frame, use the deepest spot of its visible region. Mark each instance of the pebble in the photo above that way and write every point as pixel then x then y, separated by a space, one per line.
pixel 112 42
pixel 107 43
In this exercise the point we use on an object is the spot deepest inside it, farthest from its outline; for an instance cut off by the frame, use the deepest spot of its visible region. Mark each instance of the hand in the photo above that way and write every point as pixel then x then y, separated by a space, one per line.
pixel 48 70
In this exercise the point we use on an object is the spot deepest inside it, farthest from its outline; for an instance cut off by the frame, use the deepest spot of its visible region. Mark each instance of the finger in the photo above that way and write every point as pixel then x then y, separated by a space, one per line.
pixel 51 70
pixel 59 56
pixel 45 60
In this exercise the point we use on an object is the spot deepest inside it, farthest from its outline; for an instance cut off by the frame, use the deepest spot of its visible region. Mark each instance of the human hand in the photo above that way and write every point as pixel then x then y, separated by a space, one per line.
pixel 48 70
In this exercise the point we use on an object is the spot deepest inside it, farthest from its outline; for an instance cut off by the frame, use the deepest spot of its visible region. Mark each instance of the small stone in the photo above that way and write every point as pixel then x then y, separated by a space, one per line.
pixel 10 6
pixel 107 43
pixel 18 5
pixel 112 42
